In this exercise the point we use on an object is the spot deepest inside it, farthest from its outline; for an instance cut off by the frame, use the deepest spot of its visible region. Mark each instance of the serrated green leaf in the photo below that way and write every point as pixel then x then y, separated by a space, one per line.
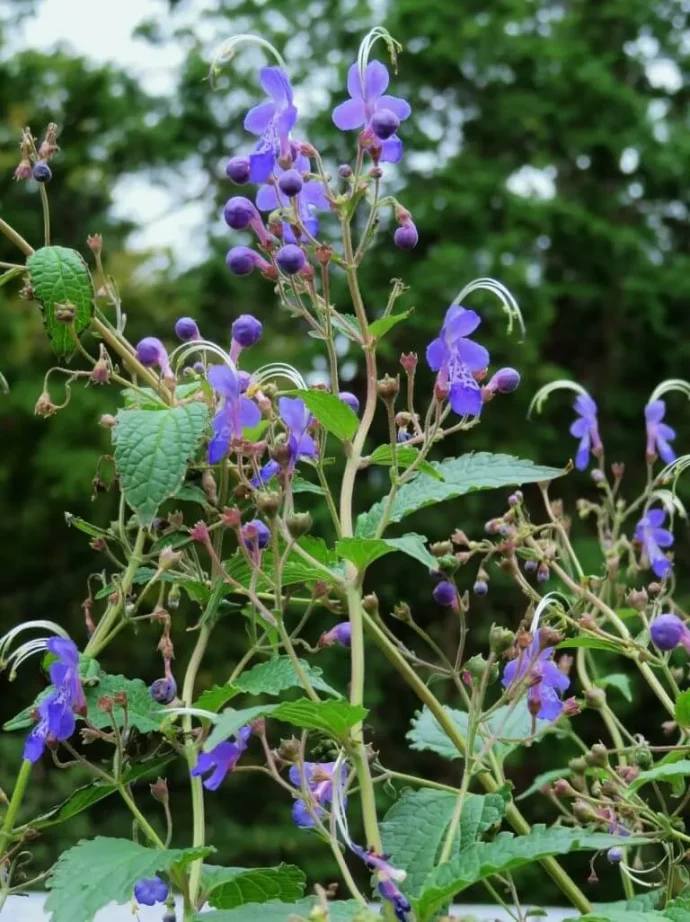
pixel 145 398
pixel 545 778
pixel 59 276
pixel 142 712
pixel 278 674
pixel 678 910
pixel 99 871
pixel 213 699
pixel 294 570
pixel 415 827
pixel 506 853
pixel 589 643
pixel 619 681
pixel 512 725
pixel 300 485
pixel 406 454
pixel 682 708
pixel 364 551
pixel 190 493
pixel 666 772
pixel 152 449
pixel 332 717
pixel 648 900
pixel 333 413
pixel 88 795
pixel 466 474
pixel 380 327
pixel 231 887
pixel 276 911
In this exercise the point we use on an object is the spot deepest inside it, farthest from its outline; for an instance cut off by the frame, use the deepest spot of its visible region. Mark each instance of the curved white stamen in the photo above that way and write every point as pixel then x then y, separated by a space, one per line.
pixel 368 42
pixel 669 385
pixel 229 47
pixel 510 305
pixel 671 503
pixel 191 711
pixel 22 653
pixel 546 601
pixel 279 370
pixel 337 804
pixel 542 395
pixel 6 639
pixel 181 353
pixel 673 471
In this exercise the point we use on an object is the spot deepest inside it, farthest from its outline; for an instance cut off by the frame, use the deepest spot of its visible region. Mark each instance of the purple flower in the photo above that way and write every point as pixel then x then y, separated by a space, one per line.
pixel 55 722
pixel 390 892
pixel 238 169
pixel 187 330
pixel 243 261
pixel 658 433
pixel 340 634
pixel 369 101
pixel 455 358
pixel 246 332
pixel 236 412
pixel 255 534
pixel 150 890
pixel 586 429
pixel 272 120
pixel 311 198
pixel 64 671
pixel 318 779
pixel 221 759
pixel 350 400
pixel 291 259
pixel 387 877
pixel 547 682
pixel 152 353
pixel 668 631
pixel 652 536
pixel 297 418
pixel 445 593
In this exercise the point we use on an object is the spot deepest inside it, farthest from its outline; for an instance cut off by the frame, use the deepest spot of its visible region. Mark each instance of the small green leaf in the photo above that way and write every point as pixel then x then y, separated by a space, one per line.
pixel 213 699
pixel 332 717
pixel 415 827
pixel 619 681
pixel 152 450
pixel 466 474
pixel 380 327
pixel 589 643
pixel 505 854
pixel 331 412
pixel 364 551
pixel 277 674
pixel 682 708
pixel 276 911
pixel 99 871
pixel 406 454
pixel 299 485
pixel 231 887
pixel 666 772
pixel 60 277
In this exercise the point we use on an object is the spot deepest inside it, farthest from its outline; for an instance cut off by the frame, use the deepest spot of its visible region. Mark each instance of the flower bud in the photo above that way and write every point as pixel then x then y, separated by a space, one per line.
pixel 445 593
pixel 504 381
pixel 168 558
pixel 481 587
pixel 290 183
pixel 163 691
pixel 642 757
pixel 247 330
pixel 289 750
pixel 583 812
pixel 637 599
pixel 345 171
pixel 500 639
pixel 350 399
pixel 340 634
pixel 563 788
pixel 239 212
pixel 298 524
pixel 406 237
pixel 24 170
pixel 388 388
pixel 542 572
pixel 237 170
pixel 441 548
pixel 200 533
pixel 291 259
pixel 174 597
pixel 595 698
pixel 598 755
pixel 477 666
pixel 42 172
pixel 578 765
pixel 255 535
pixel 186 330
pixel 370 604
pixel 152 353
pixel 44 405
pixel 159 790
pixel 615 855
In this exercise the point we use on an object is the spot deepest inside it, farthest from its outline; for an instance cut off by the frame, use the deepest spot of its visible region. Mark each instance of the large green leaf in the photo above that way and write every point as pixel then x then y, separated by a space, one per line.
pixel 230 887
pixel 471 472
pixel 276 911
pixel 415 827
pixel 682 708
pixel 60 278
pixel 506 853
pixel 99 871
pixel 666 772
pixel 510 725
pixel 678 910
pixel 152 448
pixel 277 674
pixel 332 717
pixel 364 551
pixel 333 413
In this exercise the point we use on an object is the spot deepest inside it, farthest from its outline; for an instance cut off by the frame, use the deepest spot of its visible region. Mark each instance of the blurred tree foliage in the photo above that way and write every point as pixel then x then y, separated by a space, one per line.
pixel 548 148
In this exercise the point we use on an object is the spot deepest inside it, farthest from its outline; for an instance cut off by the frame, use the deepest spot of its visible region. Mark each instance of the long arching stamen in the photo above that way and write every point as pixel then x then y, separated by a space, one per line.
pixel 229 47
pixel 668 386
pixel 6 639
pixel 181 353
pixel 546 601
pixel 278 370
pixel 542 395
pixel 510 305
pixel 368 42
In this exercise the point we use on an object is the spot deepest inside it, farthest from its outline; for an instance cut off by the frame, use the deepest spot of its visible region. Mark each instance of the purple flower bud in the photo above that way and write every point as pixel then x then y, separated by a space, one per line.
pixel 445 593
pixel 290 259
pixel 504 381
pixel 255 534
pixel 615 855
pixel 481 587
pixel 345 170
pixel 530 566
pixel 340 634
pixel 246 330
pixel 542 573
pixel 667 632
pixel 350 400
pixel 403 435
pixel 42 172
pixel 163 690
pixel 406 237
pixel 237 169
pixel 243 261
pixel 187 330
pixel 239 212
pixel 384 123
pixel 290 183
pixel 151 353
pixel 199 368
pixel 150 890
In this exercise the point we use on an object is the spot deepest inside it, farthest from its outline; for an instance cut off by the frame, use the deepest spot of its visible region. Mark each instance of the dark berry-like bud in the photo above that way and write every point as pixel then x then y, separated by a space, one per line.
pixel 481 587
pixel 505 381
pixel 406 237
pixel 384 124
pixel 187 330
pixel 667 632
pixel 290 183
pixel 542 573
pixel 255 534
pixel 237 169
pixel 247 330
pixel 241 260
pixel 238 212
pixel 445 593
pixel 615 855
pixel 350 400
pixel 42 172
pixel 345 170
pixel 291 259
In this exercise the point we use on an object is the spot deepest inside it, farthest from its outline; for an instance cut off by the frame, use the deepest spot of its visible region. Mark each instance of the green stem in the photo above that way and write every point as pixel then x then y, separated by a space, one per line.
pixel 46 214
pixel 100 635
pixel 16 238
pixel 128 356
pixel 15 804
pixel 139 817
